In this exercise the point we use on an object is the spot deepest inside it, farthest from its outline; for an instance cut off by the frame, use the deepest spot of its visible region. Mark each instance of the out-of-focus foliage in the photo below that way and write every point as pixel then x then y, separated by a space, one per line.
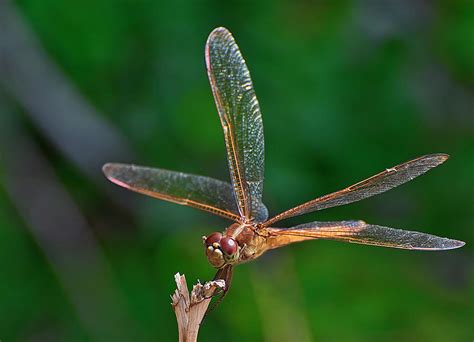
pixel 346 90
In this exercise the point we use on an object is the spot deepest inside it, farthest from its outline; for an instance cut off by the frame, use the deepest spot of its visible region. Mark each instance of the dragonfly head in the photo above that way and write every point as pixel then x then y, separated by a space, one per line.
pixel 221 250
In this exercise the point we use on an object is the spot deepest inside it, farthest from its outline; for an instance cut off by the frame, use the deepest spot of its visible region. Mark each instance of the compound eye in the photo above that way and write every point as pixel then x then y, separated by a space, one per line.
pixel 229 245
pixel 214 237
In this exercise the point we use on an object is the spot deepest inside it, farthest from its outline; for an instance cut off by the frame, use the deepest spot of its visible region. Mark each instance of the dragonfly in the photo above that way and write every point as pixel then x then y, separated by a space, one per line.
pixel 252 232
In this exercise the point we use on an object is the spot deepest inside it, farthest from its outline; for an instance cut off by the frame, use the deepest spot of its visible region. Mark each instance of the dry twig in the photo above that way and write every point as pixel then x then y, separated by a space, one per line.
pixel 190 310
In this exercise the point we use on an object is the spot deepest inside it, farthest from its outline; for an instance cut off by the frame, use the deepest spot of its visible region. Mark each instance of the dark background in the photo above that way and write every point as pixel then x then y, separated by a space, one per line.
pixel 347 89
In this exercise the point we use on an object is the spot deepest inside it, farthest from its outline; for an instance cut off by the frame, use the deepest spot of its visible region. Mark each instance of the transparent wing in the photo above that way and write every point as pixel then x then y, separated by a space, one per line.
pixel 381 182
pixel 362 233
pixel 199 192
pixel 241 121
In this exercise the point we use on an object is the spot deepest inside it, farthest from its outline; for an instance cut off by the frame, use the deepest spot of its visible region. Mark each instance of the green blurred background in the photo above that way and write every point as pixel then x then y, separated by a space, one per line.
pixel 346 90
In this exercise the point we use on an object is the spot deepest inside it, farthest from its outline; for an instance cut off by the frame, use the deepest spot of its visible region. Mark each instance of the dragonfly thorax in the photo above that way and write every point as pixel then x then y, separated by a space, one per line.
pixel 221 250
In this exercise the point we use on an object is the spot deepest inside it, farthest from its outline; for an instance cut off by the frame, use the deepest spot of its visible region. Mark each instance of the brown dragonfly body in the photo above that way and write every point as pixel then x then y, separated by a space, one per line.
pixel 254 240
pixel 253 233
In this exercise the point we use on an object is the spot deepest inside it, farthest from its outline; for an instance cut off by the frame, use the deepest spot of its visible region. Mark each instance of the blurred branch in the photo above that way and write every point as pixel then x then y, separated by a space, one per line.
pixel 290 322
pixel 53 103
pixel 190 310
pixel 62 232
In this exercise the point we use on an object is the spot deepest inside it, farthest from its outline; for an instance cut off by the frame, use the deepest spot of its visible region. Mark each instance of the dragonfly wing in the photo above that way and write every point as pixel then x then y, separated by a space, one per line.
pixel 241 121
pixel 362 233
pixel 381 182
pixel 195 191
